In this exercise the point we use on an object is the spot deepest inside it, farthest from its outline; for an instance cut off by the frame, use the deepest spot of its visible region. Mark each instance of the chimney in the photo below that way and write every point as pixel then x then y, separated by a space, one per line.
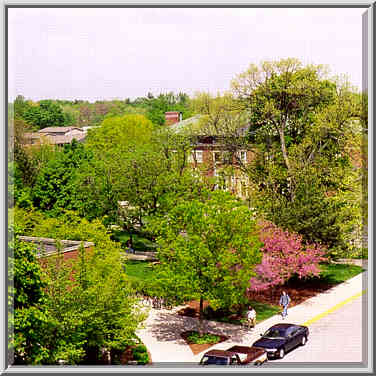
pixel 173 117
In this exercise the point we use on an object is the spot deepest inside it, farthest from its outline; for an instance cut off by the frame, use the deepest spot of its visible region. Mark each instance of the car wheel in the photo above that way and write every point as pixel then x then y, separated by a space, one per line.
pixel 304 341
pixel 281 353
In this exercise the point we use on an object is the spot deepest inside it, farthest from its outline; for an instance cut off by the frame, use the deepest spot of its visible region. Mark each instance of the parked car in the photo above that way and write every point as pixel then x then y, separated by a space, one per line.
pixel 281 338
pixel 235 355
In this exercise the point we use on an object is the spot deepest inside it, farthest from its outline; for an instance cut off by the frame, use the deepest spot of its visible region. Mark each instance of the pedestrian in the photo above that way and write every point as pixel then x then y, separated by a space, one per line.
pixel 251 317
pixel 284 301
pixel 129 245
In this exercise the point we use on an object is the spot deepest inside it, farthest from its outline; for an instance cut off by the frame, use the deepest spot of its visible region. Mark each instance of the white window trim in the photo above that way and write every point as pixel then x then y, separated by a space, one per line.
pixel 242 154
pixel 201 154
pixel 214 152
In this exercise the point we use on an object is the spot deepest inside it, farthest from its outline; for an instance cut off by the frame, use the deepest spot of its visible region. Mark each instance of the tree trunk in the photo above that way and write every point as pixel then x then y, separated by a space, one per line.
pixel 201 317
pixel 287 162
pixel 283 147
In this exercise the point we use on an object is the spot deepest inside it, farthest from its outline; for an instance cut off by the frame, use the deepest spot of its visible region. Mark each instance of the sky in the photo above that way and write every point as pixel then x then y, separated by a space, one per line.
pixel 96 54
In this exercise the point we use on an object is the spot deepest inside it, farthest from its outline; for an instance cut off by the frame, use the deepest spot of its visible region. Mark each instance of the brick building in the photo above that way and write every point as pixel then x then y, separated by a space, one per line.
pixel 210 152
pixel 47 247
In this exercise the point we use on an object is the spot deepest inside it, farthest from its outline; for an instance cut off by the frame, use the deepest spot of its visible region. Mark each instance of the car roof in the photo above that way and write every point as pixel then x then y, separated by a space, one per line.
pixel 221 353
pixel 283 326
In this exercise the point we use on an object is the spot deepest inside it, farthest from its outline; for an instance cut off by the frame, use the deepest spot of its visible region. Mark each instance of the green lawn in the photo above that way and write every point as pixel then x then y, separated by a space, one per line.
pixel 338 273
pixel 140 243
pixel 264 311
pixel 330 274
pixel 139 270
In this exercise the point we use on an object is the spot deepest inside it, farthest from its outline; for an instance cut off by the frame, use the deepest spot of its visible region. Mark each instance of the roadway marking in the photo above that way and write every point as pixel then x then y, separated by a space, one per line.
pixel 339 305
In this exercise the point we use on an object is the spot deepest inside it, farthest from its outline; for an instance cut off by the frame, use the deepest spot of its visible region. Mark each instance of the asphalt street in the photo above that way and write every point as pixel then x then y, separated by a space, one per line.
pixel 337 337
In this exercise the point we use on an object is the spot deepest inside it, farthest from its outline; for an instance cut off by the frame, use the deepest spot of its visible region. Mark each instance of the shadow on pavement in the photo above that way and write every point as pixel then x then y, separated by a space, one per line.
pixel 168 327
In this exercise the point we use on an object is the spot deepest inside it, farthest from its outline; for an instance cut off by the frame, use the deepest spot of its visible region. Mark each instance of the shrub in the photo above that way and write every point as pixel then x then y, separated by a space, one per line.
pixel 140 354
pixel 195 337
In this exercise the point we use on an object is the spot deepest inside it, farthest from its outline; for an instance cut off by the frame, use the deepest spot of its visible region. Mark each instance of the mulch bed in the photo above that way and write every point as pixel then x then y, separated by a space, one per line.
pixel 197 348
pixel 299 291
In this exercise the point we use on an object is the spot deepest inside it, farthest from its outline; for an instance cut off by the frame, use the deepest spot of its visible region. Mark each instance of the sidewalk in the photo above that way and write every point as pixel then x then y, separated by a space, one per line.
pixel 161 334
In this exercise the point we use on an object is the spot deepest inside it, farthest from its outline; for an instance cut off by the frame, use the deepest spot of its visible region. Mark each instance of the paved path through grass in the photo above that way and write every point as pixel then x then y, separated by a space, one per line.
pixel 162 332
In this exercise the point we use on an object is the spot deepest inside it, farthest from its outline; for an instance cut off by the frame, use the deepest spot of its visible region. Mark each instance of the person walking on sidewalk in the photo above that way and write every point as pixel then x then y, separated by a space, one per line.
pixel 251 317
pixel 284 301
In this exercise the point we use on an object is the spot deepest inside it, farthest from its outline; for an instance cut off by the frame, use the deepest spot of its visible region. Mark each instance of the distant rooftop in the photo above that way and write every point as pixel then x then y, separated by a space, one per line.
pixel 47 246
pixel 192 125
pixel 58 129
pixel 189 124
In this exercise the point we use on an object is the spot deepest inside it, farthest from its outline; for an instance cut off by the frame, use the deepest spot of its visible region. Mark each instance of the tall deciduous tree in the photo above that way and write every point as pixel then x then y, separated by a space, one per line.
pixel 301 124
pixel 30 323
pixel 55 186
pixel 136 163
pixel 45 114
pixel 208 249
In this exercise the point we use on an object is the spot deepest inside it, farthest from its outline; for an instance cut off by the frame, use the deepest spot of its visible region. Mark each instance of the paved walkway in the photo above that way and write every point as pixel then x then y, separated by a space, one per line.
pixel 161 334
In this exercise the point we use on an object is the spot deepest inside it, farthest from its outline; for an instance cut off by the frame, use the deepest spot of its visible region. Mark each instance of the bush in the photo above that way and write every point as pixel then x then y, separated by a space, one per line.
pixel 211 313
pixel 140 354
pixel 195 337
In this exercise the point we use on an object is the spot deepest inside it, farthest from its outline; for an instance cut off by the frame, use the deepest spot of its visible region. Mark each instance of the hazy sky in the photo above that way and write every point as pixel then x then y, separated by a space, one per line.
pixel 118 53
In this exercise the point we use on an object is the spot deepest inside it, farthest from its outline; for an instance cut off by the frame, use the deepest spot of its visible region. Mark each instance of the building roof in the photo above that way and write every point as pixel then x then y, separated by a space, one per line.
pixel 58 129
pixel 189 124
pixel 47 246
pixel 192 125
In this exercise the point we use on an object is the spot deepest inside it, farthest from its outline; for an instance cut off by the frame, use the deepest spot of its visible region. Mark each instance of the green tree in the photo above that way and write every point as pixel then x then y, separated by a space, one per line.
pixel 20 106
pixel 136 163
pixel 87 305
pixel 45 114
pixel 208 249
pixel 55 184
pixel 301 125
pixel 95 310
pixel 30 323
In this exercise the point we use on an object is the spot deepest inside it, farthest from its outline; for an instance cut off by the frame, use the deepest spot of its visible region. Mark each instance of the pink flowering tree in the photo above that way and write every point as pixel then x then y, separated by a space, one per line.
pixel 284 255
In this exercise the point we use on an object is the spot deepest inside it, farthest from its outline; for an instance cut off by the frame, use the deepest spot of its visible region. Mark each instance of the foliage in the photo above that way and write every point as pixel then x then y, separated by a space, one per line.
pixel 303 126
pixel 45 114
pixel 21 105
pixel 29 319
pixel 207 249
pixel 90 303
pixel 140 354
pixel 158 106
pixel 68 226
pixel 134 163
pixel 202 339
pixel 284 255
pixel 95 308
pixel 55 186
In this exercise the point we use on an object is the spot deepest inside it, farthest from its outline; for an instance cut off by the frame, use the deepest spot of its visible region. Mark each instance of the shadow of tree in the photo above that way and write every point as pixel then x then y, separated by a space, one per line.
pixel 169 326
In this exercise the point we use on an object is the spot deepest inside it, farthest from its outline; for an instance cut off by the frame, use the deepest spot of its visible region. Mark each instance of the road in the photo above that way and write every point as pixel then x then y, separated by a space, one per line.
pixel 336 337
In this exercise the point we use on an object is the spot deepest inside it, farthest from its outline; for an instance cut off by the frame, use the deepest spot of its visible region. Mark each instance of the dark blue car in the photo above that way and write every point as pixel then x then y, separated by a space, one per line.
pixel 281 338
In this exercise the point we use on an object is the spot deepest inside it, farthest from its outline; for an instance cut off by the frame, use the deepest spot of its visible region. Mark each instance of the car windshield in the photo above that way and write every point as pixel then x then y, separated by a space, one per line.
pixel 275 333
pixel 214 360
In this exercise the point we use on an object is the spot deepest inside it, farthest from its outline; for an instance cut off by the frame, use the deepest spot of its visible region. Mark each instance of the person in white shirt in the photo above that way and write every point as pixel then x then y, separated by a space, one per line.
pixel 251 317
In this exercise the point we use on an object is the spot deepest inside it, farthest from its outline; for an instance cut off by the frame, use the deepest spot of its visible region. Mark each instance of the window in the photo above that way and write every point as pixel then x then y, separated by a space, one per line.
pixel 243 156
pixel 199 156
pixel 216 156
